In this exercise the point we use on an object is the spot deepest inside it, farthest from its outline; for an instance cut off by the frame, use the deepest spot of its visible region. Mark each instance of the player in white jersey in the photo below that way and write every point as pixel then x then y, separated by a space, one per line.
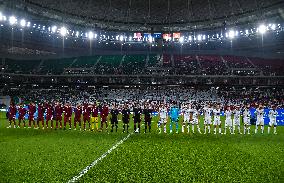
pixel 195 120
pixel 163 118
pixel 187 117
pixel 228 120
pixel 259 118
pixel 246 118
pixel 207 118
pixel 236 119
pixel 217 121
pixel 272 119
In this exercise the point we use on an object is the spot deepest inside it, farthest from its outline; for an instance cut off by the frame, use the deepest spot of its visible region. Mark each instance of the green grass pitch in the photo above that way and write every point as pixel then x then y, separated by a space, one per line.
pixel 29 155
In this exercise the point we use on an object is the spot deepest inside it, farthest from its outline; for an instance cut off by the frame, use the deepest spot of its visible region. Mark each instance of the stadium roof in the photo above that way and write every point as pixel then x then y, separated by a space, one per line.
pixel 154 15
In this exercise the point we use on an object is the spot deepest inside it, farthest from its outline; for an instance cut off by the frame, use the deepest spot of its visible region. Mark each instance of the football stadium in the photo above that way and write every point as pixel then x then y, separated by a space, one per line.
pixel 141 91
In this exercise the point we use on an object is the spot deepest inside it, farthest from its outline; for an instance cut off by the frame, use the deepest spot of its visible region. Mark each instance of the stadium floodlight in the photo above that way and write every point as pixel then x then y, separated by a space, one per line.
pixel 199 38
pixel 77 34
pixel 63 31
pixel 53 29
pixel 203 37
pixel 190 38
pixel 273 26
pixel 130 38
pixel 247 32
pixel 231 34
pixel 1 16
pixel 181 39
pixel 12 20
pixel 91 35
pixel 28 24
pixel 150 39
pixel 121 38
pixel 23 22
pixel 262 29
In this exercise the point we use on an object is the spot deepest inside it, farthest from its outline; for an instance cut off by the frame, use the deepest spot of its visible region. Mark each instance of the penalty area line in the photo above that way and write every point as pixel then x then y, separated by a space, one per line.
pixel 85 170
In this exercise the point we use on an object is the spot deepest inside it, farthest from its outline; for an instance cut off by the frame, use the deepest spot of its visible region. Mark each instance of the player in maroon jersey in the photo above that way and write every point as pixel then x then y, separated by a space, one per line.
pixel 58 114
pixel 67 115
pixel 95 115
pixel 22 113
pixel 78 116
pixel 12 114
pixel 32 110
pixel 86 114
pixel 49 115
pixel 40 117
pixel 104 114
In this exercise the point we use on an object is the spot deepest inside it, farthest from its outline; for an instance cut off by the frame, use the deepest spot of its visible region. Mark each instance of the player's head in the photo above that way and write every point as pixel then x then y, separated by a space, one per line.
pixel 274 107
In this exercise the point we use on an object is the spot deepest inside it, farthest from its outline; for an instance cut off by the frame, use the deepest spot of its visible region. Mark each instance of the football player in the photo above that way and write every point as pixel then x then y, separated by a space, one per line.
pixel 259 118
pixel 217 121
pixel 272 119
pixel 174 116
pixel 163 118
pixel 246 118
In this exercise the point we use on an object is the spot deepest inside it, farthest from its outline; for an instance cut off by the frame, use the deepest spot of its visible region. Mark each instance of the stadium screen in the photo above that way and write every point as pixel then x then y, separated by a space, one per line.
pixel 167 37
pixel 137 36
pixel 157 35
pixel 176 36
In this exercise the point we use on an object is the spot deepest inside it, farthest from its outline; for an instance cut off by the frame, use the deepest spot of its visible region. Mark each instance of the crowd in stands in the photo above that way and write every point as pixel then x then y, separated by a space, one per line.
pixel 228 96
pixel 148 64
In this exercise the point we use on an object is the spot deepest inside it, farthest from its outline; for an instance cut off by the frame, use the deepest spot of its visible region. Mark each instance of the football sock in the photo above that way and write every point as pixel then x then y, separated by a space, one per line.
pixel 220 131
pixel 274 129
pixel 268 129
pixel 262 129
pixel 192 128
pixel 209 128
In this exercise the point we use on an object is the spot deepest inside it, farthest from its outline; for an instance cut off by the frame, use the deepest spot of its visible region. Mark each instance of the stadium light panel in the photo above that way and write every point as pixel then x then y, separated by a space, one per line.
pixel 199 38
pixel 181 39
pixel 23 22
pixel 77 34
pixel 121 38
pixel 63 31
pixel 190 38
pixel 12 20
pixel 262 29
pixel 231 34
pixel 91 35
pixel 273 26
pixel 1 16
pixel 203 37
pixel 53 29
pixel 247 32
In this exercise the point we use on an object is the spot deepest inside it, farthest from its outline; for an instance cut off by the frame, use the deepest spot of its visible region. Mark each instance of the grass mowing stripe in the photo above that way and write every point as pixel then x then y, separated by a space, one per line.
pixel 84 171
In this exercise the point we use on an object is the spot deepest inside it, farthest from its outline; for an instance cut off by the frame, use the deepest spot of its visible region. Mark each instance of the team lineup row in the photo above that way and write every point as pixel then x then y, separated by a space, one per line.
pixel 89 114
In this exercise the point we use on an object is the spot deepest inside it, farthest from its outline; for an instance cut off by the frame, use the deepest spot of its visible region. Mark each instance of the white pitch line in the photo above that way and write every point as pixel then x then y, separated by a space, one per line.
pixel 84 171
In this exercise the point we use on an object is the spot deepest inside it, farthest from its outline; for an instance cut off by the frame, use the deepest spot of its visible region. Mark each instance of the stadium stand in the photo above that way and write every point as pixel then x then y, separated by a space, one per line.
pixel 212 65
pixel 21 66
pixel 55 66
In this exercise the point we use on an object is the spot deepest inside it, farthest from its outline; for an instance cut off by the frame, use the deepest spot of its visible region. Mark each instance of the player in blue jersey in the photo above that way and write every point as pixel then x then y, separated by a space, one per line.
pixel 174 115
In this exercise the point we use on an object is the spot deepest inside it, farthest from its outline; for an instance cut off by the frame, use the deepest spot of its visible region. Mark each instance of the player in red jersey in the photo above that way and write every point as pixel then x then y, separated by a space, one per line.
pixel 58 114
pixel 40 116
pixel 86 114
pixel 22 113
pixel 12 114
pixel 49 115
pixel 104 114
pixel 32 110
pixel 78 116
pixel 95 116
pixel 67 115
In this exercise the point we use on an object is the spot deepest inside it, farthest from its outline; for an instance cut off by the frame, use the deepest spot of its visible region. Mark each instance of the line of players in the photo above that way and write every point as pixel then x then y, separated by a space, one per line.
pixel 191 116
